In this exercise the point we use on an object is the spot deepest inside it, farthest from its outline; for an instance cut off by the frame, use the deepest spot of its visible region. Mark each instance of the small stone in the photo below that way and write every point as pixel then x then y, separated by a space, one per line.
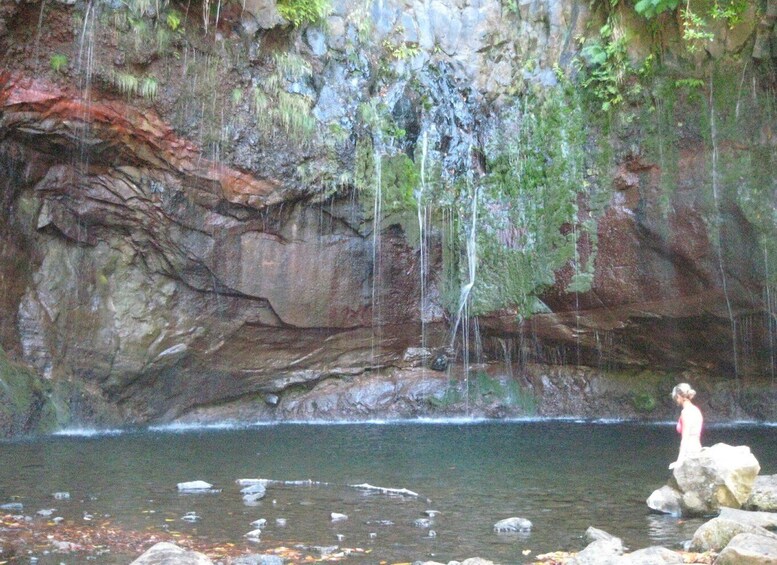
pixel 337 517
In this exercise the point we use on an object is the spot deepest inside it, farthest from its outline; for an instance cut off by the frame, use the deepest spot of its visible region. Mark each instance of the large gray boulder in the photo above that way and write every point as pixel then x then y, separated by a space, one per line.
pixel 749 549
pixel 764 494
pixel 719 476
pixel 718 532
pixel 603 549
pixel 165 553
pixel 766 520
pixel 666 500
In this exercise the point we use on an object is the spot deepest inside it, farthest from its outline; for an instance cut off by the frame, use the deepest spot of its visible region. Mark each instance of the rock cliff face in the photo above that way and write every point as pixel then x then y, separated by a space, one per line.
pixel 212 250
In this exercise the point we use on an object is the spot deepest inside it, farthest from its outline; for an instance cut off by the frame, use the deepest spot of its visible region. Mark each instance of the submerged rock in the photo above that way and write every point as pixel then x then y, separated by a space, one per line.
pixel 514 524
pixel 165 553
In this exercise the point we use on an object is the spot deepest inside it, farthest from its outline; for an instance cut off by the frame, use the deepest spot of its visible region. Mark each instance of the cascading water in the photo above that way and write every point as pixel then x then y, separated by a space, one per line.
pixel 423 243
pixel 463 312
pixel 770 300
pixel 377 275
pixel 717 222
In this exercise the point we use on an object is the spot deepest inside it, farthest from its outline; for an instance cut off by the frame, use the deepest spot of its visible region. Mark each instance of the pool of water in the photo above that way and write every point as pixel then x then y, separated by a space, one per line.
pixel 564 476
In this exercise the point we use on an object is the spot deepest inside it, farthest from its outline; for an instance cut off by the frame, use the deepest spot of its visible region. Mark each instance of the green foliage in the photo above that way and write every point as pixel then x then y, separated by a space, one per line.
pixel 25 400
pixel 450 398
pixel 401 51
pixel 690 83
pixel 173 20
pixel 651 8
pixel 695 30
pixel 529 202
pixel 399 179
pixel 643 402
pixel 126 83
pixel 606 66
pixel 58 62
pixel 304 12
pixel 375 115
pixel 277 109
pixel 148 87
pixel 696 22
pixel 130 85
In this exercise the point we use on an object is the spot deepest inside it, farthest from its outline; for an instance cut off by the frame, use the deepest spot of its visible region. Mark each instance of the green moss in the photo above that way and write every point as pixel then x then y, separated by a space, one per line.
pixel 643 402
pixel 399 179
pixel 26 404
pixel 530 223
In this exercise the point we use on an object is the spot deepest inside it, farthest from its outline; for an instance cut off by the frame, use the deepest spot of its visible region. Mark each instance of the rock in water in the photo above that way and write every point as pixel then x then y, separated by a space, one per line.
pixel 170 554
pixel 717 477
pixel 514 524
pixel 196 486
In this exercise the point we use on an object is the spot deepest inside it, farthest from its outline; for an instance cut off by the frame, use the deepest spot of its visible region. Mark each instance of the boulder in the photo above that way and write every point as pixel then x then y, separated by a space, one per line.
pixel 666 500
pixel 165 553
pixel 605 549
pixel 717 477
pixel 749 549
pixel 766 520
pixel 764 494
pixel 514 524
pixel 721 475
pixel 595 534
pixel 655 555
pixel 718 532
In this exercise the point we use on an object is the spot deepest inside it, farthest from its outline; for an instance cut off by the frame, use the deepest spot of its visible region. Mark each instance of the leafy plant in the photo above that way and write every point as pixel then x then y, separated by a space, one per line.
pixel 126 83
pixel 148 87
pixel 605 66
pixel 58 62
pixel 304 12
pixel 173 20
pixel 652 8
pixel 401 51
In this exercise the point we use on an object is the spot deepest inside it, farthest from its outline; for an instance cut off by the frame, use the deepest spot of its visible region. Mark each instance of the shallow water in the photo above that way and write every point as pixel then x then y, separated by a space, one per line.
pixel 563 476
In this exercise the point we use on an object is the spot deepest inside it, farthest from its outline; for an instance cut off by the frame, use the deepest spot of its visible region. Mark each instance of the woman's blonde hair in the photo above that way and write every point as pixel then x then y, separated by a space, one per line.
pixel 683 390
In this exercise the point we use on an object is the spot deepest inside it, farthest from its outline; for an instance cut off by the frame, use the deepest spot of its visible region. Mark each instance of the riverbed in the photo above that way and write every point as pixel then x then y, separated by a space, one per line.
pixel 563 476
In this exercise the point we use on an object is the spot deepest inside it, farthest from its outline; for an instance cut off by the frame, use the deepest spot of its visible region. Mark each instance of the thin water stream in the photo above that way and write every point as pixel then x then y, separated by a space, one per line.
pixel 563 476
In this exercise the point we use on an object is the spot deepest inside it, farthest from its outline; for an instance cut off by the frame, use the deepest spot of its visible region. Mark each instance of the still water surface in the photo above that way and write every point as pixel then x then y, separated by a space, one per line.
pixel 563 476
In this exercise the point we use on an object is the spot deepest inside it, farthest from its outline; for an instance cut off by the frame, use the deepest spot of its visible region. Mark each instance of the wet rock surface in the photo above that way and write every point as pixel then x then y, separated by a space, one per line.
pixel 172 281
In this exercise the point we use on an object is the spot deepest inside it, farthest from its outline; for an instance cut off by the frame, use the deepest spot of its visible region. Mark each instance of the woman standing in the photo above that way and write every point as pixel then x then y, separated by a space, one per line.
pixel 690 423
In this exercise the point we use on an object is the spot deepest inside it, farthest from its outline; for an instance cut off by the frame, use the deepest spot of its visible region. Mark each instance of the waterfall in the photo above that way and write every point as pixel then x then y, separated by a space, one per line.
pixel 718 220
pixel 771 315
pixel 84 72
pixel 423 211
pixel 377 212
pixel 462 313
